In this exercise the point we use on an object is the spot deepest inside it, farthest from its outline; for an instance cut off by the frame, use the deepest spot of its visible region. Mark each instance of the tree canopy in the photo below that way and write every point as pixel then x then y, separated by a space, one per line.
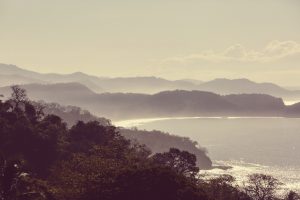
pixel 42 159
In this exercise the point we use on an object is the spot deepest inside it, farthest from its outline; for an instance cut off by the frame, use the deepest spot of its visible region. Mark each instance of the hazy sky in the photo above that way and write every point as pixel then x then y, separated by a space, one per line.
pixel 202 39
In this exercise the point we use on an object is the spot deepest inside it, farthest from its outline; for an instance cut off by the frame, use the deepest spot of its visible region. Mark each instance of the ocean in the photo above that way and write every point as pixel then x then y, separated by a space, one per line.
pixel 247 144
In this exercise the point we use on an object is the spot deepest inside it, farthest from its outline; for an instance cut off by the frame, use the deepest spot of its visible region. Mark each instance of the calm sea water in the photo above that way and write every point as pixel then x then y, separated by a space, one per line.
pixel 249 145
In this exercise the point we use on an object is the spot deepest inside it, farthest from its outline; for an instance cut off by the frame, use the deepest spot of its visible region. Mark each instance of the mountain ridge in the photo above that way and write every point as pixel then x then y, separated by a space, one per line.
pixel 146 84
pixel 177 103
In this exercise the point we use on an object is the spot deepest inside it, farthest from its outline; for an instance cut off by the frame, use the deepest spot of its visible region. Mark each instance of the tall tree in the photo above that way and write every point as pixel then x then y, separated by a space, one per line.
pixel 18 96
pixel 262 187
pixel 182 162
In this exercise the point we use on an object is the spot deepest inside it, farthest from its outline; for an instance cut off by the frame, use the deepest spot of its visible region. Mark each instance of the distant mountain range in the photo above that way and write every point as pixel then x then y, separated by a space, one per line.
pixel 175 103
pixel 11 74
pixel 242 86
pixel 26 77
pixel 16 75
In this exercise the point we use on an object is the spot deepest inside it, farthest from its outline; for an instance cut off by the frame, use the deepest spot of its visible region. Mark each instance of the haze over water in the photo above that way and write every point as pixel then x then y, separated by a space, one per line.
pixel 249 145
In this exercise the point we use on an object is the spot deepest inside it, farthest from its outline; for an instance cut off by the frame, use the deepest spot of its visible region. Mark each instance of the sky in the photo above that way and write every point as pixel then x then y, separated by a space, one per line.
pixel 173 39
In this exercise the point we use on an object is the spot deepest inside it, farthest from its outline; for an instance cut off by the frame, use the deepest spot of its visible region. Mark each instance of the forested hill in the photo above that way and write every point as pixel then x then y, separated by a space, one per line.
pixel 160 142
pixel 70 114
pixel 164 104
pixel 156 141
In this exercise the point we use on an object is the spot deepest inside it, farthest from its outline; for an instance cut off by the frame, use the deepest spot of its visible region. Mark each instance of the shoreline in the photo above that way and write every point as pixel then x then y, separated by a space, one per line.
pixel 239 169
pixel 130 123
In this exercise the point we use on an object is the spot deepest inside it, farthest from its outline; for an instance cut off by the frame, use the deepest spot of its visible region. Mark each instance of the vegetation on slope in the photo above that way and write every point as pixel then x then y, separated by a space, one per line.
pixel 43 159
pixel 160 142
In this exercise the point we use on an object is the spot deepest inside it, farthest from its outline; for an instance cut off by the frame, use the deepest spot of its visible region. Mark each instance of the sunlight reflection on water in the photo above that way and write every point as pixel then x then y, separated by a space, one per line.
pixel 289 176
pixel 139 122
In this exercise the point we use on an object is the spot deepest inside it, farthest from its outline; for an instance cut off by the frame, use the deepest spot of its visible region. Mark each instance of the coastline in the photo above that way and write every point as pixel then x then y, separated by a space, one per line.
pixel 141 121
pixel 289 175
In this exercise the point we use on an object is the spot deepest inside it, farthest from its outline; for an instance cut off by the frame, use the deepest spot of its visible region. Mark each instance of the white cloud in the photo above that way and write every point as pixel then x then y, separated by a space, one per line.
pixel 274 51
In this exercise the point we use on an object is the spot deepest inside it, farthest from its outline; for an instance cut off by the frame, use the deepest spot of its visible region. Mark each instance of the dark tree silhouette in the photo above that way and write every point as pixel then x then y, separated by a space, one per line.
pixel 18 96
pixel 262 187
pixel 157 183
pixel 292 196
pixel 222 188
pixel 182 162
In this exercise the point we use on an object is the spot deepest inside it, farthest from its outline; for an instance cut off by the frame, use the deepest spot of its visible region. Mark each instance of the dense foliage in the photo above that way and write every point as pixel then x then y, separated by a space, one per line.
pixel 42 159
pixel 70 114
pixel 160 142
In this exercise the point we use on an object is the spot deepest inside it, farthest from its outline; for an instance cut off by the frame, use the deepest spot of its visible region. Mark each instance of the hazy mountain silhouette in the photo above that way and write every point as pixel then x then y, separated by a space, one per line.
pixel 146 85
pixel 6 69
pixel 26 75
pixel 59 92
pixel 237 86
pixel 163 104
pixel 194 81
pixel 143 84
pixel 188 103
pixel 87 80
pixel 16 79
pixel 255 102
pixel 97 84
pixel 70 114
